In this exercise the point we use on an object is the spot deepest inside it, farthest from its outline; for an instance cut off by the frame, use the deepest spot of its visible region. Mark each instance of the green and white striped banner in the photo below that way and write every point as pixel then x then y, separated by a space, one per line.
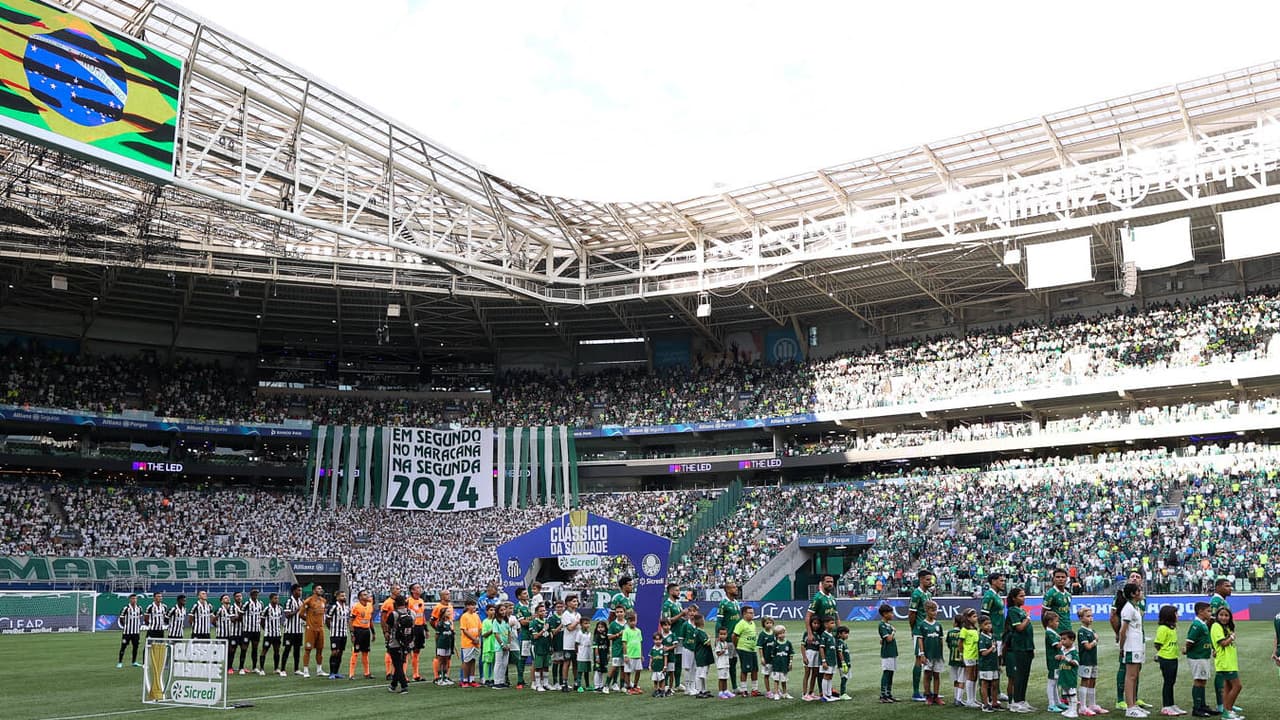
pixel 348 466
pixel 345 465
pixel 536 466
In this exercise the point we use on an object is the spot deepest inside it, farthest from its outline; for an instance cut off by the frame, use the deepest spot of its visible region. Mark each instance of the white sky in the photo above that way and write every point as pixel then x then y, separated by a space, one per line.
pixel 658 100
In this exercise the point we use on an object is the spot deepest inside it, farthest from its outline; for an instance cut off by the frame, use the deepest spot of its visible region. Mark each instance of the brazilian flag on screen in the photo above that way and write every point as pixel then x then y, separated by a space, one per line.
pixel 72 84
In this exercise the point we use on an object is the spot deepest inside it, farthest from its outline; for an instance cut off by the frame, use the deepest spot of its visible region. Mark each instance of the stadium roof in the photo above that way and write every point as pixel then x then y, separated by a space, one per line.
pixel 286 186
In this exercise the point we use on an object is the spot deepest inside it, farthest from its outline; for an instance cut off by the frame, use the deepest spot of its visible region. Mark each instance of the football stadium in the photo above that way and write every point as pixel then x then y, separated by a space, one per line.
pixel 307 415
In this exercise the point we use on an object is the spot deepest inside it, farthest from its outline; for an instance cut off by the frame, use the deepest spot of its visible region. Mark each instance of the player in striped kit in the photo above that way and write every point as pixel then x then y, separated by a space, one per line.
pixel 272 622
pixel 251 630
pixel 130 622
pixel 156 617
pixel 202 617
pixel 228 617
pixel 336 620
pixel 177 618
pixel 294 625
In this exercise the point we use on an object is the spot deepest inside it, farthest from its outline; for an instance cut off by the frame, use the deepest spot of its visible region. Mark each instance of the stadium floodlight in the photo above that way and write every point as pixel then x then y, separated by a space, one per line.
pixel 611 341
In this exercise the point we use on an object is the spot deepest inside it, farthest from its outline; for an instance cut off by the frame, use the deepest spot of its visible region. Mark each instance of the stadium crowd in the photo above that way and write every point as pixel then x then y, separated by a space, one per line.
pixel 994 360
pixel 1149 416
pixel 1093 514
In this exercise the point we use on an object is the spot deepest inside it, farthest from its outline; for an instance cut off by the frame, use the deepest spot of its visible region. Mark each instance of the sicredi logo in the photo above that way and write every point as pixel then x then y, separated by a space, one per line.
pixel 195 692
pixel 579 562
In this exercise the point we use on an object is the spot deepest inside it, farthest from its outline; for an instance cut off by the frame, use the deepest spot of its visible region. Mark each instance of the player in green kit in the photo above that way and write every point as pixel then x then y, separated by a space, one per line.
pixel 823 604
pixel 888 653
pixel 993 607
pixel 672 610
pixel 915 611
pixel 622 598
pixel 728 613
pixel 1058 599
pixel 1275 649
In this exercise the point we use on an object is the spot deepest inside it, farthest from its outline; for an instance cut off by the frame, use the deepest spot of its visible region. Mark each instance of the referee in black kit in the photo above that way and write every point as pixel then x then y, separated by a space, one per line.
pixel 130 622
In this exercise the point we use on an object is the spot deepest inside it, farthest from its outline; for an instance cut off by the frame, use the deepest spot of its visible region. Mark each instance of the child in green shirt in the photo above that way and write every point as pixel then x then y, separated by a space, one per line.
pixel 633 647
pixel 780 664
pixel 1226 661
pixel 1199 649
pixel 658 658
pixel 955 661
pixel 988 665
pixel 1087 643
pixel 1052 643
pixel 743 636
pixel 697 641
pixel 488 645
pixel 845 659
pixel 1068 663
pixel 600 653
pixel 764 645
pixel 827 650
pixel 617 674
pixel 1167 654
pixel 540 635
pixel 888 653
pixel 928 636
pixel 969 652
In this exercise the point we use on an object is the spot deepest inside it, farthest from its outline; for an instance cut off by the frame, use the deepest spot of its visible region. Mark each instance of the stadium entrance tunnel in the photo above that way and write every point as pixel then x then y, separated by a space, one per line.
pixel 580 540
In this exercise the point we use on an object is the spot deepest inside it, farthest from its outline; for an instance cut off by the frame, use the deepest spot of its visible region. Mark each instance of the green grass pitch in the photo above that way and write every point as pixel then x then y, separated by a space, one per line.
pixel 74 675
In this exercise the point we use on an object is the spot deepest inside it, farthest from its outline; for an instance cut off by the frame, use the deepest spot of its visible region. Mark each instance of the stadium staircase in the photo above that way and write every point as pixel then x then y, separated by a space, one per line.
pixel 782 567
pixel 55 507
pixel 719 509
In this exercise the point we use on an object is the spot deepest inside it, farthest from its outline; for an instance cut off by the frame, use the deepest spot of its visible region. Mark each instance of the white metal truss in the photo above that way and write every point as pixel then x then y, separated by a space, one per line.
pixel 281 178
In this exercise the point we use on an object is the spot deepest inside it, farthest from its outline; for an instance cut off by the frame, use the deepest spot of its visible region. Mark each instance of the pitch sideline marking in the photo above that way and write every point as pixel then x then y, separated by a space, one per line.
pixel 188 707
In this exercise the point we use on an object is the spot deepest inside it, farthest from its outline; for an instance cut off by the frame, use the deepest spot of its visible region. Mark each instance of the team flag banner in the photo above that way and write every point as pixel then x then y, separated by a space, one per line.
pixel 537 466
pixel 72 84
pixel 442 470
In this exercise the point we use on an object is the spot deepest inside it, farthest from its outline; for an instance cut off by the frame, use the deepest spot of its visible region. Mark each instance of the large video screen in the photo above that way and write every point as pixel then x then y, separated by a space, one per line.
pixel 71 84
